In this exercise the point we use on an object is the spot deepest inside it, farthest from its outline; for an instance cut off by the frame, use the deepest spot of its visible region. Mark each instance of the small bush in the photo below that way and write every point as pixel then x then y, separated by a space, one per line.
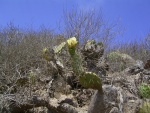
pixel 144 90
pixel 116 61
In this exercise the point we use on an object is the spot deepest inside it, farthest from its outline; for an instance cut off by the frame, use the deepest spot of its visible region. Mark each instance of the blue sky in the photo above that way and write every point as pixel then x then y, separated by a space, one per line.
pixel 133 15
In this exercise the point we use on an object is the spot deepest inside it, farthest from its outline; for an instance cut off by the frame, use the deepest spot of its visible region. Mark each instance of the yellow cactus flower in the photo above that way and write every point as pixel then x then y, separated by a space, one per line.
pixel 72 42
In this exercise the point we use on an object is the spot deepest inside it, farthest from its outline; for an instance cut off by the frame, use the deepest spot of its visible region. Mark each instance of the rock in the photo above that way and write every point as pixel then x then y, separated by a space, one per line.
pixel 146 72
pixel 132 106
pixel 93 56
pixel 145 78
pixel 39 110
pixel 114 110
pixel 93 50
pixel 101 67
pixel 133 70
pixel 147 64
pixel 22 81
pixel 52 68
pixel 140 64
pixel 104 102
pixel 145 107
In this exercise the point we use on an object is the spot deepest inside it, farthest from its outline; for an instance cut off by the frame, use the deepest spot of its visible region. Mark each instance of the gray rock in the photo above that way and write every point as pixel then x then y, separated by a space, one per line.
pixel 93 50
pixel 147 64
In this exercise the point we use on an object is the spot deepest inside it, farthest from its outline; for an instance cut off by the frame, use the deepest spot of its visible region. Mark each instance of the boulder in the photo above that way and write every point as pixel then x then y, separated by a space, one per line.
pixel 92 50
pixel 147 64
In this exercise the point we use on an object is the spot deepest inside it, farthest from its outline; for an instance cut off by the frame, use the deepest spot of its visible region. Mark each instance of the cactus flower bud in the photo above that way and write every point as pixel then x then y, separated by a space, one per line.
pixel 72 42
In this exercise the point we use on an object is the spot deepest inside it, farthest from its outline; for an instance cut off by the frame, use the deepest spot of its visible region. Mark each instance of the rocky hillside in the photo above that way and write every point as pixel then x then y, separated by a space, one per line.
pixel 53 85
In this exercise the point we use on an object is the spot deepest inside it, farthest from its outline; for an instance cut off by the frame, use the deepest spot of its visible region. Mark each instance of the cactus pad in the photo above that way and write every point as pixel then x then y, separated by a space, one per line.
pixel 46 54
pixel 90 80
pixel 58 48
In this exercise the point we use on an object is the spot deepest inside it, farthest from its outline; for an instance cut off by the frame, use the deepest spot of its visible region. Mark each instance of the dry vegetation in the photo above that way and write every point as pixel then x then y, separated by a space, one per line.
pixel 21 50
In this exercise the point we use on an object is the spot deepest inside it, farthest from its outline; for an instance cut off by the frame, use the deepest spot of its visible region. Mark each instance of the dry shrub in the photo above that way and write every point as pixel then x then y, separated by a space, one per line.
pixel 138 50
pixel 20 51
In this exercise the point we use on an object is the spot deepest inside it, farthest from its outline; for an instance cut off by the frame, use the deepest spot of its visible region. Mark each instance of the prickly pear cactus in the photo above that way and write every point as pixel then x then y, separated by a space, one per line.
pixel 90 80
pixel 75 58
pixel 47 54
pixel 72 42
pixel 87 79
pixel 58 48
pixel 77 64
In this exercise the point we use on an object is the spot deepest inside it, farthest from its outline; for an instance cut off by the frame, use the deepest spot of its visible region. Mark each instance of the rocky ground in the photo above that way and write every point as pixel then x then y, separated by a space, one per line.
pixel 57 89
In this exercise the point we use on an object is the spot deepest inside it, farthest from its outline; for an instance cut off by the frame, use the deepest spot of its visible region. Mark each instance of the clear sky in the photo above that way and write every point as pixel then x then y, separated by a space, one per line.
pixel 133 15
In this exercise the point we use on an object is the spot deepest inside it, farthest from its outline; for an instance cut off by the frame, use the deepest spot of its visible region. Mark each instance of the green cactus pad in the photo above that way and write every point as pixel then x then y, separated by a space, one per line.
pixel 144 90
pixel 58 48
pixel 90 80
pixel 77 64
